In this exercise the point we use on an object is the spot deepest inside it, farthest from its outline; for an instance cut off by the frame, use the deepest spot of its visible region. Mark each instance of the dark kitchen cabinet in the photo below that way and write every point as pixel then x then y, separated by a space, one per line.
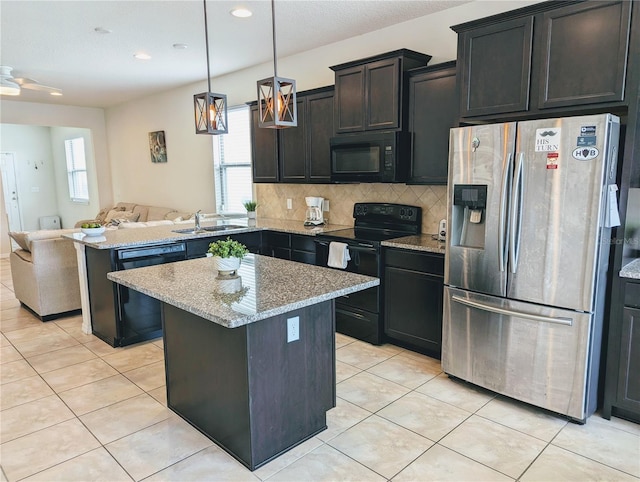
pixel 564 56
pixel 294 247
pixel 622 385
pixel 433 110
pixel 296 154
pixel 264 150
pixel 371 93
pixel 495 67
pixel 413 293
pixel 304 150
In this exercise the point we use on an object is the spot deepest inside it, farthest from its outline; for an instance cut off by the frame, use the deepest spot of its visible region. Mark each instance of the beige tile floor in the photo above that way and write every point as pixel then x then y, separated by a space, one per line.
pixel 72 408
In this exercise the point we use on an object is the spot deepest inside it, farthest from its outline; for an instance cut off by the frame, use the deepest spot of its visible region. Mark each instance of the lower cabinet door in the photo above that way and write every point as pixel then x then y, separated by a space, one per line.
pixel 413 309
pixel 628 380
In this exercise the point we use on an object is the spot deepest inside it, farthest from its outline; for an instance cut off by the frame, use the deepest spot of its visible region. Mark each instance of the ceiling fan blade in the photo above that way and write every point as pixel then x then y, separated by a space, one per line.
pixel 33 84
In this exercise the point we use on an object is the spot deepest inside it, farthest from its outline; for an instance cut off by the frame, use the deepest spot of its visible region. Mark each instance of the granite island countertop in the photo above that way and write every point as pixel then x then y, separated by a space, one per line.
pixel 268 287
pixel 146 236
pixel 420 242
pixel 631 270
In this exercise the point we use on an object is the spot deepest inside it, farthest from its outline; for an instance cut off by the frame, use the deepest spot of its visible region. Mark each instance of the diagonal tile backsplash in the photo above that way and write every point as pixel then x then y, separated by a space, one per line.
pixel 272 200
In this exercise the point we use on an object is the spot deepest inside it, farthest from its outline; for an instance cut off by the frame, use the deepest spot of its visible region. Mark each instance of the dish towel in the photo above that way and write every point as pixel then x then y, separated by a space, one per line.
pixel 338 255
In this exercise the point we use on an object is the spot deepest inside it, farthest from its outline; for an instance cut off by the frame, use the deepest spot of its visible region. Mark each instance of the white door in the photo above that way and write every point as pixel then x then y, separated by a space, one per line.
pixel 10 190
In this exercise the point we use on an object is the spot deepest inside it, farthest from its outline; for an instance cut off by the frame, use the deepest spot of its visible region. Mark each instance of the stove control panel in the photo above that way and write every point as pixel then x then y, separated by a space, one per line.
pixel 388 212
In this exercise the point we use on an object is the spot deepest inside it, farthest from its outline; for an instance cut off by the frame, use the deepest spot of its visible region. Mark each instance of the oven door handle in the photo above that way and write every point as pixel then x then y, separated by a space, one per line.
pixel 363 248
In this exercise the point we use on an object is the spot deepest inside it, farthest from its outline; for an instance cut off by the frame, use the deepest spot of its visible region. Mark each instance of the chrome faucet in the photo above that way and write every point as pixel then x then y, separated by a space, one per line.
pixel 197 219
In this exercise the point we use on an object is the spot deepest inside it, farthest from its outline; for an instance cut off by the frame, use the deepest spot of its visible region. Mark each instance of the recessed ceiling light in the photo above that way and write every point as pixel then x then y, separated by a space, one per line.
pixel 241 12
pixel 55 93
pixel 102 30
pixel 180 46
pixel 142 56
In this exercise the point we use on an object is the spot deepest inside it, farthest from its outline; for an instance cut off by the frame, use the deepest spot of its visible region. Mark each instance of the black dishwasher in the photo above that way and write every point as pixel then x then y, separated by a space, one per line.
pixel 135 316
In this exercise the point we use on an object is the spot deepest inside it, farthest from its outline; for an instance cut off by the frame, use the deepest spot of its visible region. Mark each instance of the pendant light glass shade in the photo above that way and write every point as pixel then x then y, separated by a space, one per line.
pixel 210 109
pixel 276 95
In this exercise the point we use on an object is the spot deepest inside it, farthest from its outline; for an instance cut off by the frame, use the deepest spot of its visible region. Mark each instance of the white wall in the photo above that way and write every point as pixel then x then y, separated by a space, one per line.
pixel 31 113
pixel 72 212
pixel 34 171
pixel 186 181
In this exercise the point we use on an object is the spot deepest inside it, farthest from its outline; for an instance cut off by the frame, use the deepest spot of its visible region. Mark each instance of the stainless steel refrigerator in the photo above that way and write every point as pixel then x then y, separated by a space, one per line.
pixel 530 210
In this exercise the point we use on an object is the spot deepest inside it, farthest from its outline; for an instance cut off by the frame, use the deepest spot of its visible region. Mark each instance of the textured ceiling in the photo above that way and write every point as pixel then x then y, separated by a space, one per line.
pixel 55 43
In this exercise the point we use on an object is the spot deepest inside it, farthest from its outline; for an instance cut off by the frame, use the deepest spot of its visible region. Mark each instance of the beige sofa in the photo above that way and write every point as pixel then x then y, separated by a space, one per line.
pixel 45 272
pixel 131 212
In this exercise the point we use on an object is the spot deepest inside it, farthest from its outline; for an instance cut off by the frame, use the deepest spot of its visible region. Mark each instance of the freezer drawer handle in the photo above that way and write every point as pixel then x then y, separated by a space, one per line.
pixel 519 314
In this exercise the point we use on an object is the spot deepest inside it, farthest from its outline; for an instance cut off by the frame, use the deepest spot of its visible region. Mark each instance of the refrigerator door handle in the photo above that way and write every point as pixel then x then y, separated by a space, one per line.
pixel 516 213
pixel 519 314
pixel 503 233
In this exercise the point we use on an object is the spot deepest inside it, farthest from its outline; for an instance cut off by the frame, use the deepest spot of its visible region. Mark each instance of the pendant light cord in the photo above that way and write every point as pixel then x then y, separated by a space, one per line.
pixel 206 40
pixel 273 29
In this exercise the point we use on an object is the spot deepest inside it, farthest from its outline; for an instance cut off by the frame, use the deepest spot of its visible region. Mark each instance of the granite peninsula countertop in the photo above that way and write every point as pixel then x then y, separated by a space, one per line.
pixel 144 236
pixel 264 287
pixel 421 242
pixel 631 270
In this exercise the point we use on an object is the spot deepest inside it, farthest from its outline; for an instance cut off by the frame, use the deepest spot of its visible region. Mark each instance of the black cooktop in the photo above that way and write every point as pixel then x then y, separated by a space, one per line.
pixel 375 222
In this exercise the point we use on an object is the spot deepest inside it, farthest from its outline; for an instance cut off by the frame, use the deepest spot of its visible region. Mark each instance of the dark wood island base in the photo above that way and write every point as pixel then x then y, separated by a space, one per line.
pixel 249 390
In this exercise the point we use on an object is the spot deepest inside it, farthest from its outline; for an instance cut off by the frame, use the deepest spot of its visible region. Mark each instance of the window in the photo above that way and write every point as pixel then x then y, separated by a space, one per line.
pixel 77 170
pixel 232 162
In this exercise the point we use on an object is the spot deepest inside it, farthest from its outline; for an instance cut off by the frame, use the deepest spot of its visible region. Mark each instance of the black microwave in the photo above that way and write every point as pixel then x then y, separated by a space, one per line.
pixel 371 157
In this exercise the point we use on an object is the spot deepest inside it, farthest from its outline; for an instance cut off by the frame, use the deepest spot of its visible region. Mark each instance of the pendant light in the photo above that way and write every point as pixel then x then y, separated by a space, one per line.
pixel 277 106
pixel 210 108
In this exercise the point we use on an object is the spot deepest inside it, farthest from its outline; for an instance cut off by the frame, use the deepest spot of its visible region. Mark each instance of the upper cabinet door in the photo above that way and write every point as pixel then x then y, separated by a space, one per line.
pixel 264 150
pixel 349 99
pixel 293 148
pixel 320 124
pixel 382 88
pixel 495 67
pixel 583 50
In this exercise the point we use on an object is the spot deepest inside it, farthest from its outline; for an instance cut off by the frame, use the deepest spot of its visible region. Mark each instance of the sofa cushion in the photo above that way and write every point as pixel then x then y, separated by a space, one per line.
pixel 142 210
pixel 125 206
pixel 20 237
pixel 157 213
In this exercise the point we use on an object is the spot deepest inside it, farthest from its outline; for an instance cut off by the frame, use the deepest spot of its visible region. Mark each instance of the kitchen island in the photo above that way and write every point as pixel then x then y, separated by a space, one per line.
pixel 250 359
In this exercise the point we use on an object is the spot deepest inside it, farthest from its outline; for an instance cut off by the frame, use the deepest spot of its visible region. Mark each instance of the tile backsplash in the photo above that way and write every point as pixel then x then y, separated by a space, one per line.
pixel 272 200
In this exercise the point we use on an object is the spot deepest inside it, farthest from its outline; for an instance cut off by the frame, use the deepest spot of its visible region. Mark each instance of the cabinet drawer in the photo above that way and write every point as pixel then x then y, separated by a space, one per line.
pixel 632 295
pixel 432 263
pixel 279 240
pixel 303 243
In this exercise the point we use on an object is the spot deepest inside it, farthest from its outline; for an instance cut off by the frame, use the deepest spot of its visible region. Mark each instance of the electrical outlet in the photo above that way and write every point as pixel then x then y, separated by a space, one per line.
pixel 293 329
pixel 325 206
pixel 289 203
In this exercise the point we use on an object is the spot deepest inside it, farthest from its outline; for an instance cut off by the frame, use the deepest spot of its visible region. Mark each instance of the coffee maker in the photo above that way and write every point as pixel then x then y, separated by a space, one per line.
pixel 314 215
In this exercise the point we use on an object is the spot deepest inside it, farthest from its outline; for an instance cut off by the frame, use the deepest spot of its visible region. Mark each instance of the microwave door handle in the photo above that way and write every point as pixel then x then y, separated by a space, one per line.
pixel 503 232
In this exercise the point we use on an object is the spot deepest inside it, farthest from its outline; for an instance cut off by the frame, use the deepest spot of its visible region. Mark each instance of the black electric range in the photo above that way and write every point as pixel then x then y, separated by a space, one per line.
pixel 361 314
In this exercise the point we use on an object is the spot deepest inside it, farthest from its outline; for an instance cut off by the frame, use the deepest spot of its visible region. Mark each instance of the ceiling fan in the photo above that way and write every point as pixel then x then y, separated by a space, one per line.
pixel 10 85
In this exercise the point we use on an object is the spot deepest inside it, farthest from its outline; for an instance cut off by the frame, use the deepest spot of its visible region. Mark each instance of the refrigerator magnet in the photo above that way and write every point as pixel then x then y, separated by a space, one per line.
pixel 585 153
pixel 552 160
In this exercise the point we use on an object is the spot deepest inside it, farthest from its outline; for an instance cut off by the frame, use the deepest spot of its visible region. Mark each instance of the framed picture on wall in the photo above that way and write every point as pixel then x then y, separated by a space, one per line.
pixel 157 146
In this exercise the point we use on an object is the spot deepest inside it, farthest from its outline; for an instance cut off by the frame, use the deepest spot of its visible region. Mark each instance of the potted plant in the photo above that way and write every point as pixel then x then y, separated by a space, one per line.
pixel 227 254
pixel 250 206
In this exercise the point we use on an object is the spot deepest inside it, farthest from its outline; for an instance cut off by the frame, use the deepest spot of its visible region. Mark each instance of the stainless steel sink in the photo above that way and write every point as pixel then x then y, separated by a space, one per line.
pixel 206 229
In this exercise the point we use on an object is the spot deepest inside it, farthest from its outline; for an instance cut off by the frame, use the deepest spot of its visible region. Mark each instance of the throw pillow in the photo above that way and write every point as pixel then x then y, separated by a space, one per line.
pixel 127 217
pixel 20 237
pixel 117 214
